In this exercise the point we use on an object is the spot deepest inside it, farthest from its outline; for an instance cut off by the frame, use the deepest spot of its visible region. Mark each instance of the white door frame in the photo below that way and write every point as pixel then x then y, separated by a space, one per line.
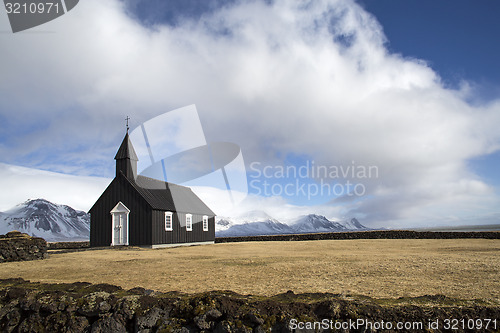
pixel 119 210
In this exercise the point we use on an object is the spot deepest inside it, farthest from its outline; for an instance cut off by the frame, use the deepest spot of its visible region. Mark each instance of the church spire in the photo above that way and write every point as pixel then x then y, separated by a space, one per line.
pixel 126 159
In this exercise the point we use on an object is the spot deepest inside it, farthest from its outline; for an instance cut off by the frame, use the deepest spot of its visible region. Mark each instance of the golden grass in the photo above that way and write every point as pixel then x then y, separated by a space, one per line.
pixel 465 268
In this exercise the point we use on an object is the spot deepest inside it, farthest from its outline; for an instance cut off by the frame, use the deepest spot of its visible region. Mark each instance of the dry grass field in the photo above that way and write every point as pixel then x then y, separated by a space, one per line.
pixel 465 268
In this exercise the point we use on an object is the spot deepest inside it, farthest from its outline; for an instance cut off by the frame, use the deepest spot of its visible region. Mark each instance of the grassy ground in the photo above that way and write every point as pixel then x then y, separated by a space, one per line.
pixel 465 268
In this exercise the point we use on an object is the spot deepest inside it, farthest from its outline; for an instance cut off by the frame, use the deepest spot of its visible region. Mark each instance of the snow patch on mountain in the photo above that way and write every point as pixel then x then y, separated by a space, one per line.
pixel 222 224
pixel 42 218
pixel 354 224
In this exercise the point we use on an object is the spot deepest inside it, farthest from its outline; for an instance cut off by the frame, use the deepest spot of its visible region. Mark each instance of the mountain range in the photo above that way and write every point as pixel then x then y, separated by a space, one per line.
pixel 42 218
pixel 258 223
pixel 59 223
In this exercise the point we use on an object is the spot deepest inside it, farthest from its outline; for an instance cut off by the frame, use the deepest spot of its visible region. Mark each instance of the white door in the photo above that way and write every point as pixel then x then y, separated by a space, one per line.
pixel 119 216
pixel 119 230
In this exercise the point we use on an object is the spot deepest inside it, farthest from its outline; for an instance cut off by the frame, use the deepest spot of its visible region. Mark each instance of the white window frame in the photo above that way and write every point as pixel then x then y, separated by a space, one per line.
pixel 205 223
pixel 189 222
pixel 169 215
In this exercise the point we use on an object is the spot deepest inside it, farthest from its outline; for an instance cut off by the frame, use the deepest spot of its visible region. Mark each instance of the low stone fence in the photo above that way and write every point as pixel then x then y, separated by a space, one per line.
pixel 376 234
pixel 83 307
pixel 68 245
pixel 16 246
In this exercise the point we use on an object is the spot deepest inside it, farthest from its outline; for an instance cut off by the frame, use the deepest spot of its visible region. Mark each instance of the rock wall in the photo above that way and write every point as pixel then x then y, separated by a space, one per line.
pixel 377 234
pixel 16 246
pixel 83 307
pixel 68 245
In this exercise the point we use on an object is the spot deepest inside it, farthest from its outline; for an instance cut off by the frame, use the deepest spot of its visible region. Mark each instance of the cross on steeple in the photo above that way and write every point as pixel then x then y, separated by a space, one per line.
pixel 127 119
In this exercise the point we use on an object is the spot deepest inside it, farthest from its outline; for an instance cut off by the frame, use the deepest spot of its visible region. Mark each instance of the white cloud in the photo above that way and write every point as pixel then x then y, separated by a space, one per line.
pixel 20 184
pixel 274 206
pixel 296 77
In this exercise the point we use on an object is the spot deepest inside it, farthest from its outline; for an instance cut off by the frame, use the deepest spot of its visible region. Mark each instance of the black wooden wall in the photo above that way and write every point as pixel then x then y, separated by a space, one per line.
pixel 139 217
pixel 179 233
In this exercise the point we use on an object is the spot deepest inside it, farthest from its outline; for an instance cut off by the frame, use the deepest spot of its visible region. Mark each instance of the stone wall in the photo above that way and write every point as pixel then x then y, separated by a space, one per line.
pixel 68 245
pixel 376 234
pixel 83 307
pixel 16 246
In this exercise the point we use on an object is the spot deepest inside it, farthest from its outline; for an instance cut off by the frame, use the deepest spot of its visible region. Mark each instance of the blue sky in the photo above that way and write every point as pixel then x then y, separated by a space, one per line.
pixel 411 87
pixel 455 37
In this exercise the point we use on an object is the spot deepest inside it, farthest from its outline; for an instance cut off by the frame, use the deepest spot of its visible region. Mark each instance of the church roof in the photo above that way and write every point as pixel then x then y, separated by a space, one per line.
pixel 126 150
pixel 169 197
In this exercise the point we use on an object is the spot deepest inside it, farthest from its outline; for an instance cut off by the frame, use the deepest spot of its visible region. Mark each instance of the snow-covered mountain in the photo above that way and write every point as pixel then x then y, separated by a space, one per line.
pixel 268 227
pixel 317 223
pixel 42 218
pixel 224 223
pixel 251 226
pixel 354 224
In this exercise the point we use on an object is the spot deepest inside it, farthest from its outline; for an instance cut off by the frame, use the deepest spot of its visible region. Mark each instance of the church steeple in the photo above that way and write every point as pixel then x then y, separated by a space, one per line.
pixel 126 159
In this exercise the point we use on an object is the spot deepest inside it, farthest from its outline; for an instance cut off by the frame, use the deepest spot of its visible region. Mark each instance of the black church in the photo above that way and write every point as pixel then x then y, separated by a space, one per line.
pixel 141 211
